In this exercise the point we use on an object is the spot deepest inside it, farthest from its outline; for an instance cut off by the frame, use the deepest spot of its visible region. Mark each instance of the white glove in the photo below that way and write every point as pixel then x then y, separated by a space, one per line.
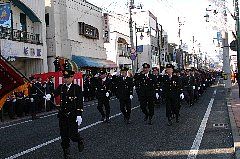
pixel 47 97
pixel 182 96
pixel 198 88
pixel 204 85
pixel 161 90
pixel 157 95
pixel 31 99
pixel 107 94
pixel 79 120
pixel 131 97
pixel 193 87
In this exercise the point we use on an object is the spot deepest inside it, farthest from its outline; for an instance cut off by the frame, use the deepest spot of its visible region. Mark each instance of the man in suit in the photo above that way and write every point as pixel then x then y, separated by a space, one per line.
pixel 147 91
pixel 171 88
pixel 104 87
pixel 71 108
pixel 124 92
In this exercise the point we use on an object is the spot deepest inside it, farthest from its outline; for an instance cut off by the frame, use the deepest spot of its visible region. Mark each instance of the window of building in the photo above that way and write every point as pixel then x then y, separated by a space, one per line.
pixel 23 22
pixel 47 19
pixel 122 50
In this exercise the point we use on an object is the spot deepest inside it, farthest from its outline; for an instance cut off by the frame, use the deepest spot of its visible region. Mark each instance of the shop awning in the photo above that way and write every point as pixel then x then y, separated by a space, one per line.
pixel 83 61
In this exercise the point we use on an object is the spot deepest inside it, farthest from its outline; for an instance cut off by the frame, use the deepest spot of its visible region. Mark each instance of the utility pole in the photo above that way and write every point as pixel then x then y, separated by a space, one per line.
pixel 131 32
pixel 238 42
pixel 160 46
pixel 226 61
pixel 180 43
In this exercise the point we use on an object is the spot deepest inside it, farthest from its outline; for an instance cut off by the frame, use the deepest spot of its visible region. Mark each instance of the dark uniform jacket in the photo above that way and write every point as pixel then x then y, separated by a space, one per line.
pixel 49 87
pixel 33 91
pixel 102 88
pixel 188 81
pixel 124 88
pixel 71 101
pixel 147 85
pixel 171 86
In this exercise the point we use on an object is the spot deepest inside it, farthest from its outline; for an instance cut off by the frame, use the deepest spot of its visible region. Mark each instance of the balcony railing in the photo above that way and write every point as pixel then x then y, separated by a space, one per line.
pixel 18 35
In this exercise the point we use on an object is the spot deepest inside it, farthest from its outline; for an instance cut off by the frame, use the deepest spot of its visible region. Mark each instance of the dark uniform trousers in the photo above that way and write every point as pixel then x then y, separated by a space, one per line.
pixel 102 88
pixel 68 130
pixel 104 102
pixel 172 105
pixel 124 88
pixel 71 104
pixel 147 90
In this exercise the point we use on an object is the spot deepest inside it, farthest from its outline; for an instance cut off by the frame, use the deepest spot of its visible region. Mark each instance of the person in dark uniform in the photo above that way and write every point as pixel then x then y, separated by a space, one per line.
pixel 40 93
pixel 104 87
pixel 33 97
pixel 188 85
pixel 155 72
pixel 147 91
pixel 171 88
pixel 124 92
pixel 50 90
pixel 20 103
pixel 71 108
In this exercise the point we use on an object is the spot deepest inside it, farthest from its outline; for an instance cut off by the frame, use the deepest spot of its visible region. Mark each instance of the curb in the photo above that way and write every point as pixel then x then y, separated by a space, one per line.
pixel 235 132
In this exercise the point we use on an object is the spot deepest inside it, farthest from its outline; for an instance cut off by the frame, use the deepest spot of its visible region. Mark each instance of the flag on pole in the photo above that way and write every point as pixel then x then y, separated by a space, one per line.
pixel 10 81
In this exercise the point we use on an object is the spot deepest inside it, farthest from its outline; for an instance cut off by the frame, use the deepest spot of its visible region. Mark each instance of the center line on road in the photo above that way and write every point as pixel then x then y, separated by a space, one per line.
pixel 58 138
pixel 198 139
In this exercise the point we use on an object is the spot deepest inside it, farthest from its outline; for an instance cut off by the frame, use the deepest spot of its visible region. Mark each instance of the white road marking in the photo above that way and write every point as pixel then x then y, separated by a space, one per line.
pixel 198 139
pixel 58 138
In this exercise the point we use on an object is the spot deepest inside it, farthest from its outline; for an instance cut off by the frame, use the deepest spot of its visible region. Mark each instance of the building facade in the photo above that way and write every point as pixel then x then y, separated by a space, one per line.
pixel 118 46
pixel 147 34
pixel 75 32
pixel 23 35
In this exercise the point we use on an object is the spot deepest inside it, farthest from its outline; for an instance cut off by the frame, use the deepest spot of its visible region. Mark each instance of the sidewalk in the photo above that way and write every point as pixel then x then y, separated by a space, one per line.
pixel 233 103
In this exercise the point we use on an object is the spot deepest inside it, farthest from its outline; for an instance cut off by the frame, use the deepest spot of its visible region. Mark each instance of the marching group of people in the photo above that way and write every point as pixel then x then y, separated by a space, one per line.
pixel 152 87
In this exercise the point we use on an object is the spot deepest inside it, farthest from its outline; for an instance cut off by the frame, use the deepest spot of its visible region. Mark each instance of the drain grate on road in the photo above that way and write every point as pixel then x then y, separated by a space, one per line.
pixel 220 125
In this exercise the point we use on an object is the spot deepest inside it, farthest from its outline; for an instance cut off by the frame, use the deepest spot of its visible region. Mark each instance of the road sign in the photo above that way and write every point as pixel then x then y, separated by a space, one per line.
pixel 133 51
pixel 133 56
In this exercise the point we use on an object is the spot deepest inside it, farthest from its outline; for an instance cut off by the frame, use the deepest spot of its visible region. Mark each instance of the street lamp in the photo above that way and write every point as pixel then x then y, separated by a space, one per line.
pixel 141 36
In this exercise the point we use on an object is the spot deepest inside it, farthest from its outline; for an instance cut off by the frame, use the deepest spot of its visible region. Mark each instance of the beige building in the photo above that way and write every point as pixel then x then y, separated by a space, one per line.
pixel 75 32
pixel 23 35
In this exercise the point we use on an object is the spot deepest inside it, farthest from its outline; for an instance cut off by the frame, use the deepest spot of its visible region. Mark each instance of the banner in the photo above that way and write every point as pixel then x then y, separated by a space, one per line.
pixel 106 28
pixel 10 81
pixel 5 15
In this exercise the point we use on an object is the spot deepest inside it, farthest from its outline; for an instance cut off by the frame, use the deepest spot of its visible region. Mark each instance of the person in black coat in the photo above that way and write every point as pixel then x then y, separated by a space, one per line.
pixel 33 97
pixel 171 88
pixel 147 91
pixel 50 90
pixel 124 92
pixel 104 87
pixel 71 108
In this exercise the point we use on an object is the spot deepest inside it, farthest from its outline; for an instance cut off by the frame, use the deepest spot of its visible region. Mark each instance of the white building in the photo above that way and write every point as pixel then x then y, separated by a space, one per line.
pixel 23 35
pixel 118 46
pixel 147 34
pixel 75 31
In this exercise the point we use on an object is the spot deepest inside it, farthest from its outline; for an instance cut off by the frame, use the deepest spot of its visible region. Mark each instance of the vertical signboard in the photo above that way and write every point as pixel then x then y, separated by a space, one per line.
pixel 106 28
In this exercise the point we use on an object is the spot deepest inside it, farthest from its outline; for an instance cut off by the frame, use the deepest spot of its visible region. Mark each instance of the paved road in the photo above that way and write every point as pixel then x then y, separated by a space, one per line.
pixel 194 137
